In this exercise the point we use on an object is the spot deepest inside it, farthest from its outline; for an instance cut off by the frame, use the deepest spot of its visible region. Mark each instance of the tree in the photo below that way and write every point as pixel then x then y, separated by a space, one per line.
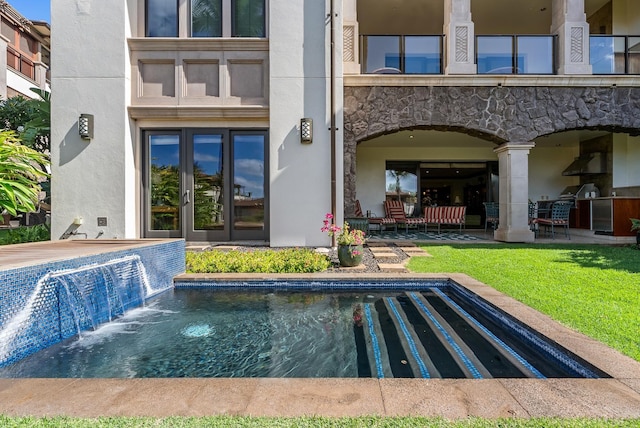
pixel 20 172
pixel 31 118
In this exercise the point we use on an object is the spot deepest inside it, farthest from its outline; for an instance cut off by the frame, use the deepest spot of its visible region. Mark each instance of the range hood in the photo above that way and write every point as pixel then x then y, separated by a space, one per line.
pixel 591 163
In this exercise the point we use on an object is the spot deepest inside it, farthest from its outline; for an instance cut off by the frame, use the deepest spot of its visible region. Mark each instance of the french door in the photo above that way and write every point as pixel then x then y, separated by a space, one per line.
pixel 206 184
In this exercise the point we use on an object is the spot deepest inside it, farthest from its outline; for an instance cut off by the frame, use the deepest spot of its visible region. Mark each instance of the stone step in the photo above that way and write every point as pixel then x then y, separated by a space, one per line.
pixel 392 267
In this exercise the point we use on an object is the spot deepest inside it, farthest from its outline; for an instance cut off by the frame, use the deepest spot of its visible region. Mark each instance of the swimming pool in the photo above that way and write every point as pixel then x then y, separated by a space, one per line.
pixel 380 329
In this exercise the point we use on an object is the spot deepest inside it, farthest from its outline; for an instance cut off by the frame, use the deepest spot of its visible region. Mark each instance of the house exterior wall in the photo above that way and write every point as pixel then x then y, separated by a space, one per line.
pixel 131 83
pixel 92 178
pixel 300 86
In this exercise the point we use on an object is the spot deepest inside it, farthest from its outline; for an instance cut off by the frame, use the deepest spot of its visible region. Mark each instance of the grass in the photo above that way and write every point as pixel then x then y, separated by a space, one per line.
pixel 320 422
pixel 594 289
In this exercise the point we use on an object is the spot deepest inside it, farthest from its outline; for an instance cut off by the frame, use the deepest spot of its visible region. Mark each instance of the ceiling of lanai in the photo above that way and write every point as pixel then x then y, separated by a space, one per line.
pixel 489 16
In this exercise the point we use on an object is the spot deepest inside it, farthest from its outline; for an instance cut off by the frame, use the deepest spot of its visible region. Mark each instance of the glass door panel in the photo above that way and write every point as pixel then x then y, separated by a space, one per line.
pixel 249 186
pixel 163 198
pixel 208 183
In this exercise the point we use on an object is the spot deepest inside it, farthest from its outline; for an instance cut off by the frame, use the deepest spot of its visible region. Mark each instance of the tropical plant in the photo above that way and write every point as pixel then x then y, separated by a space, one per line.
pixel 37 129
pixel 20 173
pixel 635 224
pixel 31 118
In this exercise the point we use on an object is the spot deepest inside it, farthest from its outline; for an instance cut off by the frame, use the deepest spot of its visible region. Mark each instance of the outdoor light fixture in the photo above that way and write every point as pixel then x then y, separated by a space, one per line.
pixel 85 126
pixel 306 130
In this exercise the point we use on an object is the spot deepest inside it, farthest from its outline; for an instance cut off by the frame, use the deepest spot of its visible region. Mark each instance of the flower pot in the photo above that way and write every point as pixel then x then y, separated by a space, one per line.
pixel 350 255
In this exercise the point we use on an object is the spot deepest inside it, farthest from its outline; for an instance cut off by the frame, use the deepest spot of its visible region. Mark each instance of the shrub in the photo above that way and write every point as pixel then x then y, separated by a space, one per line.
pixel 290 260
pixel 24 234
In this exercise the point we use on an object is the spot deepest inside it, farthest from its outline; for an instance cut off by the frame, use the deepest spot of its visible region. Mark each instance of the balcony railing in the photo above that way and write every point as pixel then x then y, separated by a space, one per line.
pixel 401 54
pixel 615 54
pixel 514 54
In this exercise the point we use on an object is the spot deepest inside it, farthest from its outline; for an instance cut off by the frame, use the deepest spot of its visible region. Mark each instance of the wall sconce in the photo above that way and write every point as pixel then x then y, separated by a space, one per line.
pixel 306 130
pixel 85 126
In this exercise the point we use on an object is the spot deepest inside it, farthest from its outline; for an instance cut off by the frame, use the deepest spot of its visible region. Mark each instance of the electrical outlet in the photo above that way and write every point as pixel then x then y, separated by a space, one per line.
pixel 102 221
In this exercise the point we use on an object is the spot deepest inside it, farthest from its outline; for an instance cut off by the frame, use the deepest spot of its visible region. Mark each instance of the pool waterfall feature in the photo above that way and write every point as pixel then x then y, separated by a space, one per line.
pixel 45 304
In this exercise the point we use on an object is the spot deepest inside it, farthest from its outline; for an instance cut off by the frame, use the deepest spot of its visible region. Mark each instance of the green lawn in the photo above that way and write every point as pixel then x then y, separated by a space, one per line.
pixel 594 289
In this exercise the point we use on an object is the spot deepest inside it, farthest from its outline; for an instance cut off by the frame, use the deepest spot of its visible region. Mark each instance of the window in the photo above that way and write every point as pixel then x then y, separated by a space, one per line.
pixel 162 18
pixel 248 18
pixel 206 18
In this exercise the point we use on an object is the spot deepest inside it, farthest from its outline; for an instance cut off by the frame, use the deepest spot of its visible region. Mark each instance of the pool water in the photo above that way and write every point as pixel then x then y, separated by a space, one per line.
pixel 435 332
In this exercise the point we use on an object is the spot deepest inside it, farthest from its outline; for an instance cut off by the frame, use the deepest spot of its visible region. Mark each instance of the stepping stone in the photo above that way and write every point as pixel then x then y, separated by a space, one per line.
pixel 225 247
pixel 416 251
pixel 391 267
pixel 379 250
pixel 197 248
pixel 388 255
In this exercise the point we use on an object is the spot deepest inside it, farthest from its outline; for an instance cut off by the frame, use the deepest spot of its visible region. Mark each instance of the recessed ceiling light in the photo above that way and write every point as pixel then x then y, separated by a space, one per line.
pixel 410 136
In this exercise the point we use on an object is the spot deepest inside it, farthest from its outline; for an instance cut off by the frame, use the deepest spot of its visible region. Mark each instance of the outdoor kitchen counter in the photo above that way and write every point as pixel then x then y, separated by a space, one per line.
pixel 608 214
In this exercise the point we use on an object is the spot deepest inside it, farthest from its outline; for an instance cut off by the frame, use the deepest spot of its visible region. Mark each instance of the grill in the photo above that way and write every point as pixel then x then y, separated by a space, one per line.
pixel 571 193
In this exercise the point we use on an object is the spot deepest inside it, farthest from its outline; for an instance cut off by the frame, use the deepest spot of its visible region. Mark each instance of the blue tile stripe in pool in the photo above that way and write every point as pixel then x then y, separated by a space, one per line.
pixel 467 362
pixel 310 285
pixel 412 344
pixel 503 345
pixel 541 344
pixel 374 341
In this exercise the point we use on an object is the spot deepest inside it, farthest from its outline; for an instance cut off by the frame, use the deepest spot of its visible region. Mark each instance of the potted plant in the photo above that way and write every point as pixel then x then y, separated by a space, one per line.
pixel 635 225
pixel 350 241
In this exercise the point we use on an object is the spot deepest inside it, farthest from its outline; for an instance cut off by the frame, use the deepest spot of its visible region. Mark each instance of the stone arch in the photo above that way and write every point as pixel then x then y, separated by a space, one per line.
pixel 500 114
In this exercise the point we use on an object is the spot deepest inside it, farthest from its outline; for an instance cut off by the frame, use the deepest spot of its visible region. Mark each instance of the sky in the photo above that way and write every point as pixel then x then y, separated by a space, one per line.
pixel 34 10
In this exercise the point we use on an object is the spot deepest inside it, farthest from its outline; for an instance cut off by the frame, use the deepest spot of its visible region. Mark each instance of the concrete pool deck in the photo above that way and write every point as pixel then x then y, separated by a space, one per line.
pixel 617 397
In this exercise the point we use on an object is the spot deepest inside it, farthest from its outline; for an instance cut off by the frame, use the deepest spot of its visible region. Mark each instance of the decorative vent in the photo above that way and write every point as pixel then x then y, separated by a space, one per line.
pixel 577 43
pixel 462 44
pixel 348 54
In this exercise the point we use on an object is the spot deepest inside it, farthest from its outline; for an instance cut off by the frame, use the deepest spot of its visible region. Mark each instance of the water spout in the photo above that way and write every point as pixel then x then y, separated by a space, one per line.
pixel 66 302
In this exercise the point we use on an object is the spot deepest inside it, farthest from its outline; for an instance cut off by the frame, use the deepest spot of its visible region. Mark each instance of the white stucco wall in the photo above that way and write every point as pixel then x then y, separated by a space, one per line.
pixel 545 170
pixel 300 174
pixel 91 178
pixel 626 158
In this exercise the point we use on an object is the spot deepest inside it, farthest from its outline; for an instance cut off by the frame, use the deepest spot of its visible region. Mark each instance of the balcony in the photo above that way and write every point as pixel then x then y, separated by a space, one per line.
pixel 401 54
pixel 515 54
pixel 615 54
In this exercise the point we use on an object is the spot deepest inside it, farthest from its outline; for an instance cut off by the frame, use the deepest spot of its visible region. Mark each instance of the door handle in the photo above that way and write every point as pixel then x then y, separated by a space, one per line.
pixel 187 196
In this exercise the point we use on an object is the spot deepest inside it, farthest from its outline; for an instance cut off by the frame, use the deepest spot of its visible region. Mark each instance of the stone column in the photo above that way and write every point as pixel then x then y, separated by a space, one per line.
pixel 514 193
pixel 459 37
pixel 569 23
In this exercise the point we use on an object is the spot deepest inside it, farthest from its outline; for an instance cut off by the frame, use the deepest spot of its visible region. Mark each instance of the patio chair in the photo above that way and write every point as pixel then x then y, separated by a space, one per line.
pixel 492 214
pixel 560 211
pixel 380 222
pixel 395 210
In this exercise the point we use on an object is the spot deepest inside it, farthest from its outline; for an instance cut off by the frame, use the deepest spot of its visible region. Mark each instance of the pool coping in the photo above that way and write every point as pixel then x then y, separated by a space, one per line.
pixel 617 397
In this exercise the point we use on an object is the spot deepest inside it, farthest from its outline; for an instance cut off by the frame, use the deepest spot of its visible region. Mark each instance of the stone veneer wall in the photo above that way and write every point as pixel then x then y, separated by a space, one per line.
pixel 499 114
pixel 162 262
